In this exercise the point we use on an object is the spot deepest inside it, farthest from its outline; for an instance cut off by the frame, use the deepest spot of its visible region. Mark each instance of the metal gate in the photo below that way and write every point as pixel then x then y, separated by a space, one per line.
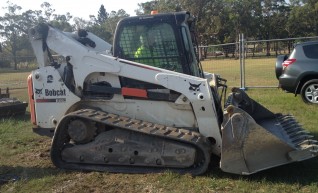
pixel 247 64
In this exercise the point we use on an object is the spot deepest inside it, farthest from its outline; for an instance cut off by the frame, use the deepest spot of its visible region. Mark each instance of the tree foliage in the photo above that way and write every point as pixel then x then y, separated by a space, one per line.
pixel 105 24
pixel 303 18
pixel 102 15
pixel 11 31
pixel 218 21
pixel 14 26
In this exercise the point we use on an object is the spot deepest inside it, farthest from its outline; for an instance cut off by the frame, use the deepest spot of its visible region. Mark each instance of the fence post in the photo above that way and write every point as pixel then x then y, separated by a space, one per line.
pixel 200 54
pixel 242 60
pixel 243 63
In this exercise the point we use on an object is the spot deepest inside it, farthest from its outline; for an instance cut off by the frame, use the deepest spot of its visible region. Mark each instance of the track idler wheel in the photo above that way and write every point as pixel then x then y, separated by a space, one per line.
pixel 81 131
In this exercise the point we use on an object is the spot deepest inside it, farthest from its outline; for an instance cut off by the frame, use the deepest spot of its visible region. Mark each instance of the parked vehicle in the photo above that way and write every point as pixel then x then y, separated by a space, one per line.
pixel 298 72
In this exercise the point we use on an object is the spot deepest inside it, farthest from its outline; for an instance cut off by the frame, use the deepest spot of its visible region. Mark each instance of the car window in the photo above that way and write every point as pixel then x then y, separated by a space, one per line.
pixel 311 51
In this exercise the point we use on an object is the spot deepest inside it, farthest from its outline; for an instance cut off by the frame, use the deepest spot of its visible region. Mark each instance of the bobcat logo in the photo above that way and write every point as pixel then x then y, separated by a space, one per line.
pixel 49 79
pixel 38 91
pixel 194 87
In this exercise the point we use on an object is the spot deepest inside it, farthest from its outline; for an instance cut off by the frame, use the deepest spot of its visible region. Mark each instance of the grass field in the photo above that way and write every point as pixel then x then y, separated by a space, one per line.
pixel 25 164
pixel 259 72
pixel 13 79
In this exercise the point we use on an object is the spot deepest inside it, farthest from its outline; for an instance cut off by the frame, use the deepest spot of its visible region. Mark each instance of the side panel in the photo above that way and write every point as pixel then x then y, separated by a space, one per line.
pixel 134 103
pixel 51 97
pixel 153 111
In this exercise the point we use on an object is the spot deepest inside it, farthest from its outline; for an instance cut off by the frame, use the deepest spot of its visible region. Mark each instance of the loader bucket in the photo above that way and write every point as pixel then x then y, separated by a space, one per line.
pixel 255 139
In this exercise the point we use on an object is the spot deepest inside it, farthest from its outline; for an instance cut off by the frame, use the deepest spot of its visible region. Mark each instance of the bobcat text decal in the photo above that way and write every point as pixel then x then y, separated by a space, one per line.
pixel 49 93
pixel 53 92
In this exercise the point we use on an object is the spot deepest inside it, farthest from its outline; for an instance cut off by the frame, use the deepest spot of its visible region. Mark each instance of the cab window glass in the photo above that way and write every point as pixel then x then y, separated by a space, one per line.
pixel 190 55
pixel 153 45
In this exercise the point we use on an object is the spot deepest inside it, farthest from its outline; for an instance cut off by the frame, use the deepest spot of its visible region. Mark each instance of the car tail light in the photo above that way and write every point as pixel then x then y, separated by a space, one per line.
pixel 288 62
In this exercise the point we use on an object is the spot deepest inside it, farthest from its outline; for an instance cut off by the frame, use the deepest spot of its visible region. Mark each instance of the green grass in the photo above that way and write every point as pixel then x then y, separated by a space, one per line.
pixel 13 79
pixel 25 164
pixel 258 72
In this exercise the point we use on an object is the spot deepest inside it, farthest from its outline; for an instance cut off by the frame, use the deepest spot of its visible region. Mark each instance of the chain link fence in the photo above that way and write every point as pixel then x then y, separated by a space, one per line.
pixel 247 64
pixel 23 62
pixel 14 81
pixel 244 64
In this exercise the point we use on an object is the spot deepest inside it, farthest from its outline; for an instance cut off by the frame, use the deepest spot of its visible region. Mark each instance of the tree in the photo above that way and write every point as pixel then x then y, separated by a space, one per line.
pixel 48 10
pixel 80 23
pixel 114 18
pixel 10 30
pixel 102 15
pixel 14 27
pixel 99 26
pixel 62 22
pixel 146 8
pixel 303 18
pixel 105 24
pixel 220 21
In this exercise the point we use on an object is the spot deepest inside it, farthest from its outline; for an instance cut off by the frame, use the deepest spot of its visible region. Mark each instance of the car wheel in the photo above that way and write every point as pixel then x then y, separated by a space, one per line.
pixel 309 92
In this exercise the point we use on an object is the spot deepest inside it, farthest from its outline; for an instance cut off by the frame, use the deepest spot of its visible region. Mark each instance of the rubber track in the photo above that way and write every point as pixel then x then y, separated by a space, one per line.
pixel 187 137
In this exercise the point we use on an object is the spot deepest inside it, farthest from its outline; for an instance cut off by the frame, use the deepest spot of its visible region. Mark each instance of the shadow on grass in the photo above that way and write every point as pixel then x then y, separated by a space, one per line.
pixel 304 173
pixel 17 173
pixel 20 117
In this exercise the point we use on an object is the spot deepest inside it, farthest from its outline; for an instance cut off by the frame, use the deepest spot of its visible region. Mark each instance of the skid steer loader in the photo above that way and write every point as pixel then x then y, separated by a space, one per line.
pixel 144 104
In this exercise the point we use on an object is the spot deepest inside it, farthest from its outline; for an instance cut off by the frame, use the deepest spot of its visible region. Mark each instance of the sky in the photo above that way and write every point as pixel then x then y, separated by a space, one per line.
pixel 77 8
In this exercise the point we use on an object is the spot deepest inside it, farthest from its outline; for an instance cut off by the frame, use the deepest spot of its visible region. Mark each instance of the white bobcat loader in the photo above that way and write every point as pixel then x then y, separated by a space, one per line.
pixel 144 104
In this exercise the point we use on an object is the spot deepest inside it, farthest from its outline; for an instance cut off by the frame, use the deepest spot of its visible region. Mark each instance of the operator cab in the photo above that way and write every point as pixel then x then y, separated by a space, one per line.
pixel 161 40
